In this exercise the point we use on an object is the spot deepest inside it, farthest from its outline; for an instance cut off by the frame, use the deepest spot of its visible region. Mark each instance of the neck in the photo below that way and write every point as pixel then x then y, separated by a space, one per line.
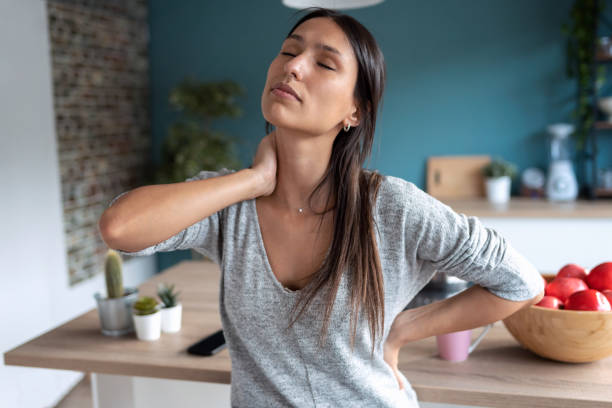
pixel 302 162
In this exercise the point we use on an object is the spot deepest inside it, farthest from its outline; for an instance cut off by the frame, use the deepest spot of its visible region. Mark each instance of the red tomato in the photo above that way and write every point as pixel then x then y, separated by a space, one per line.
pixel 562 288
pixel 608 293
pixel 550 302
pixel 589 299
pixel 572 271
pixel 600 277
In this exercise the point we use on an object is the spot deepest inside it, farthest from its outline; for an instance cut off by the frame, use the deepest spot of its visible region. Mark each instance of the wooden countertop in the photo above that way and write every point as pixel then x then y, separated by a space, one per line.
pixel 520 207
pixel 499 373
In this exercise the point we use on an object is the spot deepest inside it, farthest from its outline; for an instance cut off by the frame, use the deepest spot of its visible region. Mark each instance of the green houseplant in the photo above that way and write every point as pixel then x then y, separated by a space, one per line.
pixel 114 310
pixel 172 310
pixel 581 32
pixel 113 274
pixel 147 318
pixel 498 180
pixel 167 295
pixel 499 168
pixel 145 305
pixel 191 145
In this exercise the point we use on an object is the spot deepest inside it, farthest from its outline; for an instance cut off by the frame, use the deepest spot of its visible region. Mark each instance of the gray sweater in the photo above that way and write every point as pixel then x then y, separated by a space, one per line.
pixel 417 235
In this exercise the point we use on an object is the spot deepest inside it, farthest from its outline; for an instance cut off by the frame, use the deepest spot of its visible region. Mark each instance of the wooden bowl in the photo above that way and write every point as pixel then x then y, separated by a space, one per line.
pixel 570 336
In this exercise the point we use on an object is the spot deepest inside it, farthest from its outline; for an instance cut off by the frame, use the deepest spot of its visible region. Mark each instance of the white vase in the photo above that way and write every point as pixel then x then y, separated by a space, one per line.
pixel 148 327
pixel 498 189
pixel 171 318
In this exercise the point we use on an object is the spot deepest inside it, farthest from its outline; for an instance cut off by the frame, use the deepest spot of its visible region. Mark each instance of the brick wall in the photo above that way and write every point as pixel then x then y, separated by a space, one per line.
pixel 100 89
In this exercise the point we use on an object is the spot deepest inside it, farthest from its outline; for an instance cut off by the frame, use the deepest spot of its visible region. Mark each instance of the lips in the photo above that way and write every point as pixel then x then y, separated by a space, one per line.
pixel 286 88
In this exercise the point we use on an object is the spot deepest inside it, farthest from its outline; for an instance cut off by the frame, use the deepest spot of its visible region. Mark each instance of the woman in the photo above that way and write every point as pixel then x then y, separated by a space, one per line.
pixel 305 236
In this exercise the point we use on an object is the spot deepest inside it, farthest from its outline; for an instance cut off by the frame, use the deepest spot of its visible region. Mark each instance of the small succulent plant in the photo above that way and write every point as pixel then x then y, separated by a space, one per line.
pixel 145 305
pixel 113 274
pixel 499 168
pixel 167 295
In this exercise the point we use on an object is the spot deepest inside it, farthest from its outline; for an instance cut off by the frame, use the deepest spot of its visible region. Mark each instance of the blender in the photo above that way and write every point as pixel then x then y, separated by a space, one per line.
pixel 561 184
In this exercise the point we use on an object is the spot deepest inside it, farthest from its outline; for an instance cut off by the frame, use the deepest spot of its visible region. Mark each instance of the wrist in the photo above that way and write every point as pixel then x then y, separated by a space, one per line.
pixel 397 334
pixel 417 323
pixel 255 183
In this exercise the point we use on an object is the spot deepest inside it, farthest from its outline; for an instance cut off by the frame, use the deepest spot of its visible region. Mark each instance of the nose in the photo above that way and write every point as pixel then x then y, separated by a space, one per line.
pixel 296 66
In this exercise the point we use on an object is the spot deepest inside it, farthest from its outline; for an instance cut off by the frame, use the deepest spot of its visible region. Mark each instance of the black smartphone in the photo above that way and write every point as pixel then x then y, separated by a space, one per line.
pixel 209 345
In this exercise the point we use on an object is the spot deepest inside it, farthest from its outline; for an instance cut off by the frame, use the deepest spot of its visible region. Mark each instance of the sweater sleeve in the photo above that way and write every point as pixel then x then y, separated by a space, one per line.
pixel 461 246
pixel 205 236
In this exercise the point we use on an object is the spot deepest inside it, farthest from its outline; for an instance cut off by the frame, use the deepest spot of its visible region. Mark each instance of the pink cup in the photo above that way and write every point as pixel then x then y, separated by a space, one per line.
pixel 456 346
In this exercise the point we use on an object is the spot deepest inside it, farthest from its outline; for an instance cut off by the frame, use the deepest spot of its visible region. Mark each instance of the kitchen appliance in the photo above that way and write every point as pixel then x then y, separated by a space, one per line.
pixel 605 178
pixel 605 105
pixel 561 184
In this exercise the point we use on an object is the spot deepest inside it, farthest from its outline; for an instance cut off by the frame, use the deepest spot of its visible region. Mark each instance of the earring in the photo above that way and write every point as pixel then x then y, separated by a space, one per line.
pixel 347 127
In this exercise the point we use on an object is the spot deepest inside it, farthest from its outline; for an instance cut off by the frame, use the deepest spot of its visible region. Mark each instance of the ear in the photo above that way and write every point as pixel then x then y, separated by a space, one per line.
pixel 355 117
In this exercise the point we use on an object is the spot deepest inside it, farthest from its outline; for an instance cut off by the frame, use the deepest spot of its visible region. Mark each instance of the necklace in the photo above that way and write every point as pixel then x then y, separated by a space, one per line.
pixel 300 210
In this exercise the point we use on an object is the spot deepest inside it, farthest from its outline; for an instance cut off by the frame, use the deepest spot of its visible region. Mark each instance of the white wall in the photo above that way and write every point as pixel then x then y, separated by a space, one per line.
pixel 35 295
pixel 550 243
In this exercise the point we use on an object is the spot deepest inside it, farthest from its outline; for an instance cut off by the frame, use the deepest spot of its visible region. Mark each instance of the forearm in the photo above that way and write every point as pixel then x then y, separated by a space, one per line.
pixel 151 214
pixel 474 307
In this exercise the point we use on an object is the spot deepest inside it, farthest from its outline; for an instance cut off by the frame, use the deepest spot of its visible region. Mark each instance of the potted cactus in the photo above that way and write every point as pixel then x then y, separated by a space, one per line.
pixel 147 318
pixel 171 311
pixel 498 180
pixel 115 310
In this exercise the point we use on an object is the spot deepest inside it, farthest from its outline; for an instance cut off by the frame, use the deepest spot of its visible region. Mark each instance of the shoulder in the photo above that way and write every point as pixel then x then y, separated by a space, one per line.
pixel 397 190
pixel 400 197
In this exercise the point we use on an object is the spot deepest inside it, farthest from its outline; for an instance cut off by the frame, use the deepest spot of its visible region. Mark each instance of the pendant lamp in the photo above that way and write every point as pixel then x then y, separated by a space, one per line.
pixel 332 4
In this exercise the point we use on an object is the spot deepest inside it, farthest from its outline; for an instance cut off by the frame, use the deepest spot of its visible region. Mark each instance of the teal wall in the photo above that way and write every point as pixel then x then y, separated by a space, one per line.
pixel 463 76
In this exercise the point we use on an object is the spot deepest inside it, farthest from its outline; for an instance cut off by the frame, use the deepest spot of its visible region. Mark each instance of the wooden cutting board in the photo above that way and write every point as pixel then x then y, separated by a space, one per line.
pixel 456 176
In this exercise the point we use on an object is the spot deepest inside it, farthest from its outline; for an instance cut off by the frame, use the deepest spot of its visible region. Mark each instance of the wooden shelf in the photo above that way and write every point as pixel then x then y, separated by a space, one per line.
pixel 603 192
pixel 521 207
pixel 602 125
pixel 603 58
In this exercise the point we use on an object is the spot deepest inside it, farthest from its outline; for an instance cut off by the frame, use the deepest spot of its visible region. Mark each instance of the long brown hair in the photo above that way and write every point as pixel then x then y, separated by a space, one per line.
pixel 353 246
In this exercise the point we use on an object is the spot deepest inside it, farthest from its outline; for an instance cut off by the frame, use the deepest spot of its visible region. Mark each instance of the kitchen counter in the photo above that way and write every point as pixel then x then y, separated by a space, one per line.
pixel 499 373
pixel 532 208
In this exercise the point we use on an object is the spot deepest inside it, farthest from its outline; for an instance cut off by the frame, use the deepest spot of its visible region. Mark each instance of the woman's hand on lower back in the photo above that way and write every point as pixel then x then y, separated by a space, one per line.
pixel 391 355
pixel 265 163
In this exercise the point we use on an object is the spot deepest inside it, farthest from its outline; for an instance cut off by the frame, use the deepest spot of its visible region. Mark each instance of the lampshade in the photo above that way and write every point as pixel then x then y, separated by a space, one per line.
pixel 332 4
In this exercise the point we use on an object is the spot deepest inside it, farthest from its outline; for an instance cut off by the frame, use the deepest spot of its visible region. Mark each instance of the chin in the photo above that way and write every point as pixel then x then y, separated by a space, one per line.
pixel 278 116
pixel 281 116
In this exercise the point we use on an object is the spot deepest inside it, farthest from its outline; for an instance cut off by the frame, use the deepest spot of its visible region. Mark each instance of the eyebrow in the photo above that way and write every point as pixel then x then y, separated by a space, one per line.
pixel 326 47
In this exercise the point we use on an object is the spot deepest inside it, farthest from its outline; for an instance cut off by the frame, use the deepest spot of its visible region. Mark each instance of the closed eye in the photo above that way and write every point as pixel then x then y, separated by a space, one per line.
pixel 318 63
pixel 325 66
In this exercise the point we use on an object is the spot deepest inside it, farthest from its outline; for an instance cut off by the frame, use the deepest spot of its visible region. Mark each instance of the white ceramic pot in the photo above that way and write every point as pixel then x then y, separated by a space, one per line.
pixel 148 327
pixel 498 189
pixel 171 318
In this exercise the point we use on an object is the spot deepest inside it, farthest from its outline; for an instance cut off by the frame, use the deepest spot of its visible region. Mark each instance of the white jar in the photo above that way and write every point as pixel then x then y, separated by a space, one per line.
pixel 171 318
pixel 498 189
pixel 148 327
